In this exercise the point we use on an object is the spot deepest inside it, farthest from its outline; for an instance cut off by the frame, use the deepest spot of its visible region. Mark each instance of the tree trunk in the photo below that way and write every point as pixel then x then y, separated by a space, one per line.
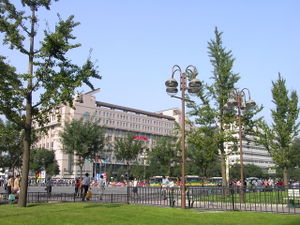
pixel 223 169
pixel 169 170
pixel 128 170
pixel 28 119
pixel 25 162
pixel 285 176
pixel 81 166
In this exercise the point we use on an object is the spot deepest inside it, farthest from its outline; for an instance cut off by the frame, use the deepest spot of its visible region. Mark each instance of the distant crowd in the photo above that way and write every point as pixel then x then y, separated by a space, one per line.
pixel 257 182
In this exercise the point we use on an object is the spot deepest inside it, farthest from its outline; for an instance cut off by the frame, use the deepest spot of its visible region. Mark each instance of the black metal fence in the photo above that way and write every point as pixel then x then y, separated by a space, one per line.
pixel 263 199
pixel 259 199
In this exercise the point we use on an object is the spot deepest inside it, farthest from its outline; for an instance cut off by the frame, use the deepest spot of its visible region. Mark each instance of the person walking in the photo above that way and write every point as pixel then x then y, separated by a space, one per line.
pixel 101 187
pixel 85 185
pixel 49 187
pixel 135 188
pixel 77 187
pixel 10 185
pixel 164 186
pixel 17 186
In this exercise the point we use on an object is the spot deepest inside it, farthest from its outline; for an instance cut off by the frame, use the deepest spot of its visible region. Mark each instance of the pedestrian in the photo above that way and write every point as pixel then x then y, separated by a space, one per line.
pixel 101 187
pixel 88 195
pixel 164 186
pixel 17 186
pixel 85 185
pixel 10 185
pixel 77 186
pixel 135 188
pixel 49 186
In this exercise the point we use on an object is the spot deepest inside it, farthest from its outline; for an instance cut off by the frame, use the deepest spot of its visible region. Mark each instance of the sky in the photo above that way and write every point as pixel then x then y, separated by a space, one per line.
pixel 136 42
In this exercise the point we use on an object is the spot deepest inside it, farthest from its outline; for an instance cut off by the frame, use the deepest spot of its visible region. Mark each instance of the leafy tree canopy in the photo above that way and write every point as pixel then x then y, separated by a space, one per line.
pixel 43 159
pixel 278 137
pixel 84 138
pixel 164 156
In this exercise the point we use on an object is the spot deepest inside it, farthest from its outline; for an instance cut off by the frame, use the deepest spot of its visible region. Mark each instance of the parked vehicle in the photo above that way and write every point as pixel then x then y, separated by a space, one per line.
pixel 155 181
pixel 296 184
pixel 213 181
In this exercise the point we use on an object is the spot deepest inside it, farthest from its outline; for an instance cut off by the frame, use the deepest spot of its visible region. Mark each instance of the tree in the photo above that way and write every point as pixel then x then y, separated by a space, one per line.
pixel 128 149
pixel 211 113
pixel 11 139
pixel 202 149
pixel 84 138
pixel 164 155
pixel 278 137
pixel 51 73
pixel 43 159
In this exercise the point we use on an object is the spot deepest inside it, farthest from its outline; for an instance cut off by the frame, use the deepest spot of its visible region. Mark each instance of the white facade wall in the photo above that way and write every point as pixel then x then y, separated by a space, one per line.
pixel 252 154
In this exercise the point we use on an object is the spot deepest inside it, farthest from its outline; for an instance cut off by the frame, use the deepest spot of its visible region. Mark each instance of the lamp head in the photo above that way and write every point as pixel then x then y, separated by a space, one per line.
pixel 194 86
pixel 250 104
pixel 232 103
pixel 171 90
pixel 195 83
pixel 171 83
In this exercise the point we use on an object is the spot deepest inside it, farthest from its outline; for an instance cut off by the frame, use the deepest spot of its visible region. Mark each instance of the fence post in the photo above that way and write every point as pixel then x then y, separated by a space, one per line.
pixel 128 193
pixel 232 197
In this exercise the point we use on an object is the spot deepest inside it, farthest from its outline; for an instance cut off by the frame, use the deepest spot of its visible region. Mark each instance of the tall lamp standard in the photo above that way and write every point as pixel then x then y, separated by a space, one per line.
pixel 193 87
pixel 240 102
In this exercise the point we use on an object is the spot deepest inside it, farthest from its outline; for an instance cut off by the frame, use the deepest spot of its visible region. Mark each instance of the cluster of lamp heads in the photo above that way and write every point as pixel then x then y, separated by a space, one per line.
pixel 193 86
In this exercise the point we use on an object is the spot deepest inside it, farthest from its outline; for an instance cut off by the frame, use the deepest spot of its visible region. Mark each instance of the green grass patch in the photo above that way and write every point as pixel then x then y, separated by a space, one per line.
pixel 122 214
pixel 273 197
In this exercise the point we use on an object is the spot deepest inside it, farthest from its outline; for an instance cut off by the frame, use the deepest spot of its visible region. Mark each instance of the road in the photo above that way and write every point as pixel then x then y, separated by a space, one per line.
pixel 71 189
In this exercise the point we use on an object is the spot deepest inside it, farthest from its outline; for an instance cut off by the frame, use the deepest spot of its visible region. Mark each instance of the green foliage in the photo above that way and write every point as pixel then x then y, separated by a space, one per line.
pixel 250 170
pixel 84 138
pixel 128 148
pixel 140 171
pixel 295 152
pixel 278 137
pixel 211 113
pixel 43 159
pixel 294 174
pixel 11 139
pixel 55 77
pixel 202 149
pixel 164 156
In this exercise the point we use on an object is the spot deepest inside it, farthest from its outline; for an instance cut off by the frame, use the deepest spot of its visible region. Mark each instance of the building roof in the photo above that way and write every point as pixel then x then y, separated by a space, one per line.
pixel 137 111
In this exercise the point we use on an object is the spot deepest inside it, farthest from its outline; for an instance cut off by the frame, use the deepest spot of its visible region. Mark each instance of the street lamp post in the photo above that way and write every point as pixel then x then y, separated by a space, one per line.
pixel 193 87
pixel 240 102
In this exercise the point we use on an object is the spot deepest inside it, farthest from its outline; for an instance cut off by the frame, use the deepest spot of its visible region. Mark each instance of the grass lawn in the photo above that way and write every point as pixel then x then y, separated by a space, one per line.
pixel 119 214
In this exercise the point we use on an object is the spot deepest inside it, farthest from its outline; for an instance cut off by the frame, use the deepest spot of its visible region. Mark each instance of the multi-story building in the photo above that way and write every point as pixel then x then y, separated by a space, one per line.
pixel 118 121
pixel 252 154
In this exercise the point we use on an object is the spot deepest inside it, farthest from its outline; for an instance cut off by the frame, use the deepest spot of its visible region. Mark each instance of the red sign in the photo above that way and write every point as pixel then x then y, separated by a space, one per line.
pixel 140 138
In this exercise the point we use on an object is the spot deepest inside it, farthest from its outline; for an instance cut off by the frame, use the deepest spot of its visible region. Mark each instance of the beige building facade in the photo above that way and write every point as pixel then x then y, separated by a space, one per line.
pixel 118 121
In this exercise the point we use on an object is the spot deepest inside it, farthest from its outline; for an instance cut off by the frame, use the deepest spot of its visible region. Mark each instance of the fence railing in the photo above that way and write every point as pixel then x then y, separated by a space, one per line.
pixel 260 199
pixel 263 199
